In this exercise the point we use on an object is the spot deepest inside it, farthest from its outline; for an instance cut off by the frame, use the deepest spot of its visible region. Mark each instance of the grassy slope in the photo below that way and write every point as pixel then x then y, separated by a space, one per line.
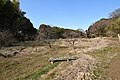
pixel 28 66
pixel 104 58
pixel 41 71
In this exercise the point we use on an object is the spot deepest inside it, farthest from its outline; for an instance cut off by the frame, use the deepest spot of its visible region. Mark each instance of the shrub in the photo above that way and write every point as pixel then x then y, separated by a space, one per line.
pixel 6 38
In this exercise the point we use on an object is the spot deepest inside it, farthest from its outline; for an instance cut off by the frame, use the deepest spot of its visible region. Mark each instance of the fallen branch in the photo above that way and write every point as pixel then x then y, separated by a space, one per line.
pixel 6 54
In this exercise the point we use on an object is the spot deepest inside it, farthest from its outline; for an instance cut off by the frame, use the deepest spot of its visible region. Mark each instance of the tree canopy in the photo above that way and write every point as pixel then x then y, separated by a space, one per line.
pixel 13 20
pixel 115 13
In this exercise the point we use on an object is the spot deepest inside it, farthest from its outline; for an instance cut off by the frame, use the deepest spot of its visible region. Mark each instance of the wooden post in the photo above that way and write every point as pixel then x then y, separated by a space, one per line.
pixel 119 37
pixel 51 62
pixel 67 60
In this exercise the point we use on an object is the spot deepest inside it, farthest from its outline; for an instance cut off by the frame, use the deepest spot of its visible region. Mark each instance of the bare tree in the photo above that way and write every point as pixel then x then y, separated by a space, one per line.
pixel 47 35
pixel 115 14
pixel 72 42
pixel 71 37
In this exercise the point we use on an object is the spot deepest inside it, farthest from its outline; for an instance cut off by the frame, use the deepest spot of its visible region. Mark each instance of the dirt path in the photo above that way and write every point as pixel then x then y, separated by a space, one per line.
pixel 114 69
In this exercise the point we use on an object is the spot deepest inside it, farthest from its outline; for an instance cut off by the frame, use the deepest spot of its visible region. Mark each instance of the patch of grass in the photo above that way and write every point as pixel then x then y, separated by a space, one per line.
pixel 104 57
pixel 42 71
pixel 97 73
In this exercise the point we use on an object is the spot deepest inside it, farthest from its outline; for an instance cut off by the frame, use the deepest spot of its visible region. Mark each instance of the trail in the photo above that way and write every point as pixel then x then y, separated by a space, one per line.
pixel 114 69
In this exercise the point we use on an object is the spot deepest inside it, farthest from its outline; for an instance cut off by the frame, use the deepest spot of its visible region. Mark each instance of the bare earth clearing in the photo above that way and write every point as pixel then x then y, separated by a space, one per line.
pixel 93 57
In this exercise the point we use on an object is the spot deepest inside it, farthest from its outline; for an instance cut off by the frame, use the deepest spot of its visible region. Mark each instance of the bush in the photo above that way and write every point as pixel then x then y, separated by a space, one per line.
pixel 6 38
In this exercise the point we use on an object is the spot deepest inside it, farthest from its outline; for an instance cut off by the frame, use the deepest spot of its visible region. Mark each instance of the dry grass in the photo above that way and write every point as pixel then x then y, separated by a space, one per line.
pixel 29 62
pixel 25 63
pixel 104 58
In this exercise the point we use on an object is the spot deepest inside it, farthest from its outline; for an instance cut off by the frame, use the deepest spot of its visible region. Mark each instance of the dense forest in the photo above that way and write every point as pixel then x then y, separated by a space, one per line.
pixel 15 27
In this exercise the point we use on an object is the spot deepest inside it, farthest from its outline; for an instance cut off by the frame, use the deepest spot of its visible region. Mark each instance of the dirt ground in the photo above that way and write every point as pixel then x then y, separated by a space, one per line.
pixel 114 69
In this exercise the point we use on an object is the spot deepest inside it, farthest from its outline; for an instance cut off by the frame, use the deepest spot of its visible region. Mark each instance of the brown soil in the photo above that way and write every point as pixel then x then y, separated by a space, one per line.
pixel 114 69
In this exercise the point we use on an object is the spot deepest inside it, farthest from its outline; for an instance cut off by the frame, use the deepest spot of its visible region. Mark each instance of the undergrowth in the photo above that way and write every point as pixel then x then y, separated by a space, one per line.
pixel 42 71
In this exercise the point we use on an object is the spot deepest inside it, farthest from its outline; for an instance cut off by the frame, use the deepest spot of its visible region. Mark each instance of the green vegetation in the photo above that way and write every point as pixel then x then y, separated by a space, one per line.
pixel 115 25
pixel 14 23
pixel 109 27
pixel 42 71
pixel 104 57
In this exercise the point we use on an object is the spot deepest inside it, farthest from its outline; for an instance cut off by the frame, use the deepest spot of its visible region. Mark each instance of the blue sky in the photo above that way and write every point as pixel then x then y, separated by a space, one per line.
pixel 72 14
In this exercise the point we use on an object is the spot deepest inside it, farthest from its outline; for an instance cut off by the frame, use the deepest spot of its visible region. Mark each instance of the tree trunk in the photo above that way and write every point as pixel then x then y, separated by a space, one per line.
pixel 119 37
pixel 49 44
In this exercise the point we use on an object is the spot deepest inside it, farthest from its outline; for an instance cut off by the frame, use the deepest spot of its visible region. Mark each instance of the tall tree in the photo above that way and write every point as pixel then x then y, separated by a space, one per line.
pixel 15 4
pixel 115 14
pixel 10 15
